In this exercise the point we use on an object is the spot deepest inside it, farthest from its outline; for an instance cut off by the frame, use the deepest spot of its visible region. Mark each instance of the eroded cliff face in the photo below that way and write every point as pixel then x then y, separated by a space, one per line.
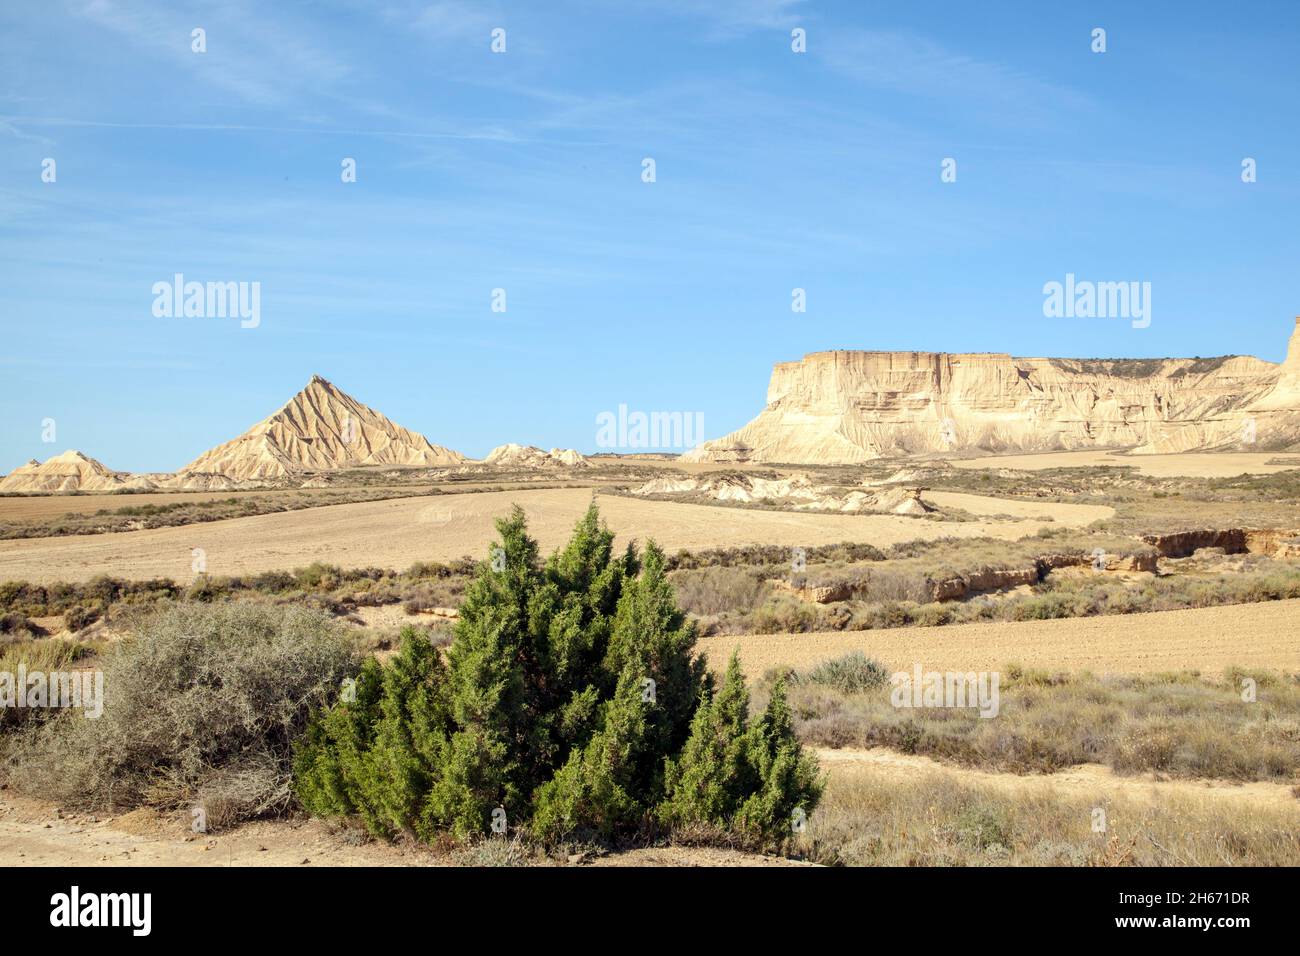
pixel 844 407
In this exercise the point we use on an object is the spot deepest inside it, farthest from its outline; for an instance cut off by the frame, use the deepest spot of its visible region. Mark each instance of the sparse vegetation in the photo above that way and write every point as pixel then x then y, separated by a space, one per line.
pixel 939 819
pixel 900 590
pixel 1180 725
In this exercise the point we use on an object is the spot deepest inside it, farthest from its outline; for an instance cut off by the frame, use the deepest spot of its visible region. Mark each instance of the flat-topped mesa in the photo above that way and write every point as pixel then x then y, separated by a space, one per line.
pixel 320 429
pixel 849 406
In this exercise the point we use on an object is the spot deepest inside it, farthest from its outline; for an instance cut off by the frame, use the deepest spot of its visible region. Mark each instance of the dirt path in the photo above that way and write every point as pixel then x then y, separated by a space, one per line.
pixel 35 833
pixel 1205 639
pixel 1086 779
pixel 396 533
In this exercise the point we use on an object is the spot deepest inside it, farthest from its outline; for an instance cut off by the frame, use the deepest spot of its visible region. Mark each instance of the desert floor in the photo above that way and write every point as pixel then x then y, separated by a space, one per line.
pixel 1205 639
pixel 399 532
pixel 1225 465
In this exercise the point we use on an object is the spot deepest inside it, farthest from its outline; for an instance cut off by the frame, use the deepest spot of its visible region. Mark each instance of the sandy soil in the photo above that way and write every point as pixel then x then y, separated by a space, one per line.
pixel 36 833
pixel 1225 465
pixel 1074 516
pixel 395 533
pixel 1205 639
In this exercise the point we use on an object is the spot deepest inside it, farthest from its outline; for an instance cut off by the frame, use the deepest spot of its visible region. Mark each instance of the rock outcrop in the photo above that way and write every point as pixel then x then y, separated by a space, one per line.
pixel 319 429
pixel 1180 544
pixel 530 456
pixel 982 580
pixel 845 407
pixel 797 492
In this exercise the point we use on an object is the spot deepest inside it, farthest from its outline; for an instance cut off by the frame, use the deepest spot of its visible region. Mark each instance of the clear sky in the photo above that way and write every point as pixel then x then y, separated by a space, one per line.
pixel 522 170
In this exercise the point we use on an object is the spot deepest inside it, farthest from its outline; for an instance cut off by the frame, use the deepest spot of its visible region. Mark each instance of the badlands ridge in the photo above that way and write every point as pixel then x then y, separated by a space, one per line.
pixel 829 408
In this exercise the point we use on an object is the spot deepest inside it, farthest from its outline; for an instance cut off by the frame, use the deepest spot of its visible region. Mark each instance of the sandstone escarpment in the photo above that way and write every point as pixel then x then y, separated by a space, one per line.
pixel 847 406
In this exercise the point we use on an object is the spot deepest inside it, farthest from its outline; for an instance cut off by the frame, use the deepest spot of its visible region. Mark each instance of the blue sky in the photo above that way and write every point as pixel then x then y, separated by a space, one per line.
pixel 522 171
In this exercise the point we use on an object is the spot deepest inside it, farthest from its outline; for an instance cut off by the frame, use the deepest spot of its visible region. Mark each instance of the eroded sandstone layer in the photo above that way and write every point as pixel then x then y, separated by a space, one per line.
pixel 70 471
pixel 847 406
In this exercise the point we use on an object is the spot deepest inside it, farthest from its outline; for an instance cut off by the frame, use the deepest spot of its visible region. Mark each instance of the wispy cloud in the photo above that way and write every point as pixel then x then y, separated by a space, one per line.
pixel 915 65
pixel 732 17
pixel 496 134
pixel 253 56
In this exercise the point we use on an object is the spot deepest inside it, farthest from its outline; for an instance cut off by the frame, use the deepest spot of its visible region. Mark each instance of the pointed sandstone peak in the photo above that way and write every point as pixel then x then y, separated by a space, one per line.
pixel 72 456
pixel 321 428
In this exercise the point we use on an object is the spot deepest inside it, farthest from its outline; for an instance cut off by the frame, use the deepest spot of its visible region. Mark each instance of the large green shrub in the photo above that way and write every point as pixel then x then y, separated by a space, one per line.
pixel 752 779
pixel 570 690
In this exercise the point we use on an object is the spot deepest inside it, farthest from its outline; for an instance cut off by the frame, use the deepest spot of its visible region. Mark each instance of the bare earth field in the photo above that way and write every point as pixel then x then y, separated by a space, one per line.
pixel 1226 465
pixel 396 533
pixel 1068 515
pixel 1205 639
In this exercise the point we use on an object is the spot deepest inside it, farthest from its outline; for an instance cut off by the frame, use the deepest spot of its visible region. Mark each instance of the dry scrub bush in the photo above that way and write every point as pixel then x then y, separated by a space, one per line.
pixel 201 702
pixel 850 674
